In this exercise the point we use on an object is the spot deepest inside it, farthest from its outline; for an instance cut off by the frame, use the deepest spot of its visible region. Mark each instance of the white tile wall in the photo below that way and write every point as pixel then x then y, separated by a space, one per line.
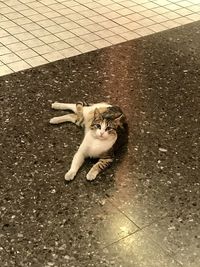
pixel 36 32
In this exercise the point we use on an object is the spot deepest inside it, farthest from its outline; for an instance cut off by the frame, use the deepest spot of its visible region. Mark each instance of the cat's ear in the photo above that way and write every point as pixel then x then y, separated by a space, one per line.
pixel 119 120
pixel 97 114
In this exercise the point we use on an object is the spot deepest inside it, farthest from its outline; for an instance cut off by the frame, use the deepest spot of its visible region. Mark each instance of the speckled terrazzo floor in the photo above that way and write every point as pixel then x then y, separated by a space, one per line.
pixel 144 211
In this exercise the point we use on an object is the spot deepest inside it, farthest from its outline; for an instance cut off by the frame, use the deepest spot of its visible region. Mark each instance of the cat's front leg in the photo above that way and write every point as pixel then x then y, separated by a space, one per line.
pixel 98 167
pixel 75 166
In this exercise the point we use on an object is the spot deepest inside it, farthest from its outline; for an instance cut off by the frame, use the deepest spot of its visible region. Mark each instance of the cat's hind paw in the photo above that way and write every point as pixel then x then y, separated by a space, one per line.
pixel 55 105
pixel 69 176
pixel 54 120
pixel 91 176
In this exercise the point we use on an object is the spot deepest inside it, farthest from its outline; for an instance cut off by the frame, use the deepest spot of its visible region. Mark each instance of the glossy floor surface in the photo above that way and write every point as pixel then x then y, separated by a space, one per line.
pixel 144 210
pixel 35 32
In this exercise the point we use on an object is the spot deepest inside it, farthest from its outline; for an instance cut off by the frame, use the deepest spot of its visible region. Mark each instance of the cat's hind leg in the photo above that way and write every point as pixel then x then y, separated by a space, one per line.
pixel 65 118
pixel 64 106
pixel 74 118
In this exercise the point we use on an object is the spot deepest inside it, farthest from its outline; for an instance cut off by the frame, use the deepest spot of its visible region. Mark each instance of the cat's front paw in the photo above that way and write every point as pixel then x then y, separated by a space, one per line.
pixel 91 175
pixel 69 176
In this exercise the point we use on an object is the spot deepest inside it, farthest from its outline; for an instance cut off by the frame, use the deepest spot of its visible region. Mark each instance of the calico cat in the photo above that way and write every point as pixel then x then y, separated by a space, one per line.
pixel 103 125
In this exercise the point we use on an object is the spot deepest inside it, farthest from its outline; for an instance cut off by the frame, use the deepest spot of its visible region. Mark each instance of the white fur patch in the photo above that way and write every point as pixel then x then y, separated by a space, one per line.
pixel 94 147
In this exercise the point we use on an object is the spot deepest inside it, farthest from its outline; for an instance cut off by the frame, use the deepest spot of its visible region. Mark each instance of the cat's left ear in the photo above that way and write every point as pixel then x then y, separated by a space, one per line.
pixel 119 120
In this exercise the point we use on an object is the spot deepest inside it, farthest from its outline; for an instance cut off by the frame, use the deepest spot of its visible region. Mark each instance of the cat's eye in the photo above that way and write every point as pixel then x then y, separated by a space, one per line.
pixel 98 126
pixel 109 128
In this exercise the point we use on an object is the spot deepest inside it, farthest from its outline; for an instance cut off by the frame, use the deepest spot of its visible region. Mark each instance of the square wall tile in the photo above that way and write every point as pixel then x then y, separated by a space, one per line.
pixel 116 39
pixel 75 41
pixel 194 17
pixel 3 33
pixel 157 28
pixel 100 43
pixel 49 39
pixel 84 48
pixel 14 15
pixel 70 3
pixel 104 33
pixel 28 12
pixel 146 22
pixel 112 15
pixel 43 49
pixel 31 26
pixel 17 46
pixel 119 29
pixel 4 50
pixel 33 42
pixel 58 20
pixel 20 7
pixel 129 35
pixel 55 29
pixel 36 61
pixel 85 22
pixel 135 17
pixel 70 25
pixel 52 14
pixel 90 37
pixel 4 70
pixel 94 27
pixel 19 65
pixel 7 24
pixel 75 16
pixel 15 30
pixel 79 31
pixel 98 18
pixel 6 10
pixel 183 20
pixel 144 31
pixel 8 40
pixel 9 58
pixel 108 24
pixel 53 56
pixel 124 11
pixel 40 32
pixel 37 17
pixel 184 11
pixel 64 35
pixel 132 26
pixel 24 36
pixel 27 53
pixel 60 45
pixel 122 20
pixel 171 15
pixel 22 21
pixel 170 24
pixel 70 52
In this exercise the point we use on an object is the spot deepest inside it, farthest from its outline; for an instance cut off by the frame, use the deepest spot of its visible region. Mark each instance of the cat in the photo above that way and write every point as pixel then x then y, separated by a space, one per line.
pixel 103 124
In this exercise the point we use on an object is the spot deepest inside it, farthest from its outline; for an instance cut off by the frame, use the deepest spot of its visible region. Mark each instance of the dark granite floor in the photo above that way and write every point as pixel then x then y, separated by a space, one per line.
pixel 144 211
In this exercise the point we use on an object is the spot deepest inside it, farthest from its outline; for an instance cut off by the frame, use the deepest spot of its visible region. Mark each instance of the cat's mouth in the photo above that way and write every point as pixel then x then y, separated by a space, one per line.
pixel 101 137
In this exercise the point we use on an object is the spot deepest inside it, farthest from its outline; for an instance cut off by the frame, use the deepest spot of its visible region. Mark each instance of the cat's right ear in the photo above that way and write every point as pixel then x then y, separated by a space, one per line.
pixel 97 114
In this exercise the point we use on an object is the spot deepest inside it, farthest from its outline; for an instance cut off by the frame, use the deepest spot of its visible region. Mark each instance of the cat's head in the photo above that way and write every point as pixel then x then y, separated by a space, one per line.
pixel 104 125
